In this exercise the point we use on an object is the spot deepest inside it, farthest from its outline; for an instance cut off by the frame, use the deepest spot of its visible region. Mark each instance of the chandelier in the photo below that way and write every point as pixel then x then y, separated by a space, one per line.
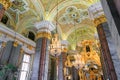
pixel 79 61
pixel 55 46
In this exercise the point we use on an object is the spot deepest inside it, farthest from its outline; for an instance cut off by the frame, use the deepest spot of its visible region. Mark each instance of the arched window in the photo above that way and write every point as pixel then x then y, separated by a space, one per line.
pixel 4 19
pixel 31 35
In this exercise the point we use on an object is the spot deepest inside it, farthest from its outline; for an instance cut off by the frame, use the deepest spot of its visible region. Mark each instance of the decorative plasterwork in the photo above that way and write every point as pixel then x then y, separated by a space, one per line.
pixel 45 24
pixel 66 3
pixel 80 34
pixel 97 14
pixel 95 10
pixel 73 15
pixel 27 50
pixel 20 6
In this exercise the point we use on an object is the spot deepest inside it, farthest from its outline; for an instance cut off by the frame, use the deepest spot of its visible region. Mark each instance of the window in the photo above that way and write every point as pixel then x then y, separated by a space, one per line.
pixel 31 36
pixel 4 19
pixel 25 67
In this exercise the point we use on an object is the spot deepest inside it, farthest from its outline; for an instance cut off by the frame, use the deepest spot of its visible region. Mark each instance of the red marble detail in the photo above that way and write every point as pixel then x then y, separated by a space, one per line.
pixel 42 59
pixel 105 54
pixel 2 11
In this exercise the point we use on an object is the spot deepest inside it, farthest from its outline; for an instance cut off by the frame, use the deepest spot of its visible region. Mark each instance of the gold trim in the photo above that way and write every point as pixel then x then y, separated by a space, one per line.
pixel 100 20
pixel 6 3
pixel 43 34
pixel 21 51
pixel 4 44
pixel 30 47
pixel 15 44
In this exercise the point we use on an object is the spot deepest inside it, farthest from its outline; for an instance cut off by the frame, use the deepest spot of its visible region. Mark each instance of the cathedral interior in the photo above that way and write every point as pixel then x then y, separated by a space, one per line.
pixel 59 40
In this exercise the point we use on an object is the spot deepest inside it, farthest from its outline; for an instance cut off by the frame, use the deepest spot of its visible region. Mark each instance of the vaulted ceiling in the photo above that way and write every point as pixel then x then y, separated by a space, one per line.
pixel 72 17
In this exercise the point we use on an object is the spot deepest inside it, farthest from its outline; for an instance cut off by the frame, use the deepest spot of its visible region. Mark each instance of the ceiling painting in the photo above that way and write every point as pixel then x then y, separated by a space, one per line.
pixel 71 15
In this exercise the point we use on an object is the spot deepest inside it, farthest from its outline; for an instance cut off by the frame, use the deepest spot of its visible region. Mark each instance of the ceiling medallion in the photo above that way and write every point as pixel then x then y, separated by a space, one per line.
pixel 73 15
pixel 20 6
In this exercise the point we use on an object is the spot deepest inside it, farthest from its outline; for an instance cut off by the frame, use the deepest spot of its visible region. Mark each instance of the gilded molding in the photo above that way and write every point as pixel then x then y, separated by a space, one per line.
pixel 15 44
pixel 99 20
pixel 3 44
pixel 43 34
pixel 68 64
pixel 21 51
pixel 30 47
pixel 6 3
pixel 87 42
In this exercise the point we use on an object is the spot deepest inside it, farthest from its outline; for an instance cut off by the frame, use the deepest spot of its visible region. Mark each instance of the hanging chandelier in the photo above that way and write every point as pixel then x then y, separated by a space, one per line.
pixel 55 46
pixel 79 61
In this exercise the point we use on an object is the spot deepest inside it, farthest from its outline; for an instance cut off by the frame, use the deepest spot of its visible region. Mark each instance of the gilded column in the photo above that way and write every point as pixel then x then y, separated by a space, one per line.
pixel 99 19
pixel 4 5
pixel 41 60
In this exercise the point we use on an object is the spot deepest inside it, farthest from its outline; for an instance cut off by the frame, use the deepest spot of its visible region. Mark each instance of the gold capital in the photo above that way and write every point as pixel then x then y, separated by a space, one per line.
pixel 21 50
pixel 99 20
pixel 15 44
pixel 6 3
pixel 4 44
pixel 43 34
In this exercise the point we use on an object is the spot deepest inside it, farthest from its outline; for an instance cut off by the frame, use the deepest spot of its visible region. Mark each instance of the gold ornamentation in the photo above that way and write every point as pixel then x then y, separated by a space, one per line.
pixel 99 20
pixel 87 42
pixel 21 50
pixel 68 64
pixel 43 34
pixel 64 50
pixel 30 47
pixel 3 44
pixel 6 3
pixel 15 44
pixel 91 54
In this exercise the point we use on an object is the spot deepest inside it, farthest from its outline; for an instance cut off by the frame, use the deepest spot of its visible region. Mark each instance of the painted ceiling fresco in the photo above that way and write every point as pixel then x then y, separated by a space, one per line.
pixel 72 15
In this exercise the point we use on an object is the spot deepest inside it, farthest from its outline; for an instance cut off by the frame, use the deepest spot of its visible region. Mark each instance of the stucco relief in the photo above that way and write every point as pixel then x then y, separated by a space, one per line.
pixel 19 6
pixel 73 15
